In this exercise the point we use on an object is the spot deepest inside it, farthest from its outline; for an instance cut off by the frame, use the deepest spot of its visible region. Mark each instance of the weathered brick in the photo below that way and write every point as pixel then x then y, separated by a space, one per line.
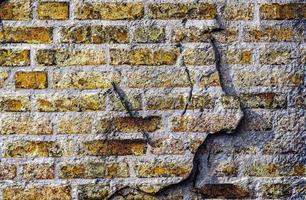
pixel 65 58
pixel 143 56
pixel 26 124
pixel 224 191
pixel 53 10
pixel 230 102
pixel 25 149
pixel 134 102
pixel 73 103
pixel 115 147
pixel 165 146
pixel 15 10
pixel 15 103
pixel 200 56
pixel 179 102
pixel 93 191
pixel 42 193
pixel 263 100
pixel 271 34
pixel 276 11
pixel 246 79
pixel 3 77
pixel 145 170
pixel 31 80
pixel 276 191
pixel 84 79
pixel 193 34
pixel 129 124
pixel 226 169
pixel 210 80
pixel 10 57
pixel 262 170
pixel 275 56
pixel 95 34
pixel 38 171
pixel 7 171
pixel 210 123
pixel 110 11
pixel 238 56
pixel 159 79
pixel 238 12
pixel 32 35
pixel 94 170
pixel 256 121
pixel 149 35
pixel 75 125
pixel 179 11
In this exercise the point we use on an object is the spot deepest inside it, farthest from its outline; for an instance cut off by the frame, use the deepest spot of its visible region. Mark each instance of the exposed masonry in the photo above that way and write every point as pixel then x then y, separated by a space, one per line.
pixel 136 100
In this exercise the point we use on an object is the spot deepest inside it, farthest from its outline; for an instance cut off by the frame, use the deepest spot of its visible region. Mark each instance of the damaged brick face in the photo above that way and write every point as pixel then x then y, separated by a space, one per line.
pixel 147 99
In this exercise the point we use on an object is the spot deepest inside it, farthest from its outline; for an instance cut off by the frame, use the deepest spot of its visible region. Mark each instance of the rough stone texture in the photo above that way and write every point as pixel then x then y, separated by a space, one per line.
pixel 152 99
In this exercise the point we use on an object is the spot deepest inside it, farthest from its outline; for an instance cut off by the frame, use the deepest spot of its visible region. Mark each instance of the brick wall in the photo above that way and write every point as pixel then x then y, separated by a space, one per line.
pixel 152 99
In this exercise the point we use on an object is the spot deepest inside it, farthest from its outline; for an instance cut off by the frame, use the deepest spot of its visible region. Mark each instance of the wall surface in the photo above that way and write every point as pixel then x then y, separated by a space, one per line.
pixel 149 99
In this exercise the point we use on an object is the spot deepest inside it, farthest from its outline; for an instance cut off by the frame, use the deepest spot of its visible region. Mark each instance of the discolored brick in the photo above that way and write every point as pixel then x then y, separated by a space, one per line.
pixel 75 125
pixel 210 80
pixel 3 77
pixel 38 171
pixel 276 190
pixel 15 104
pixel 10 58
pixel 277 11
pixel 53 10
pixel 7 171
pixel 238 56
pixel 149 35
pixel 15 10
pixel 93 191
pixel 200 56
pixel 224 191
pixel 263 100
pixel 31 35
pixel 271 34
pixel 164 146
pixel 275 56
pixel 31 80
pixel 238 12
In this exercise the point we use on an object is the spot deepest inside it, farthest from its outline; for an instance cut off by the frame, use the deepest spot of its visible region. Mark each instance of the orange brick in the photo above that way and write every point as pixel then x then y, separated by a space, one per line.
pixel 31 80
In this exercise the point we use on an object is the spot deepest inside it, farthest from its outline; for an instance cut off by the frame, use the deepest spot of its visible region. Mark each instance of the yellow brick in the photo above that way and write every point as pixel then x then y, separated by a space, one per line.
pixel 110 11
pixel 238 12
pixel 201 56
pixel 275 56
pixel 271 34
pixel 53 10
pixel 38 171
pixel 238 56
pixel 15 10
pixel 7 171
pixel 210 80
pixel 94 191
pixel 75 125
pixel 3 77
pixel 31 80
pixel 32 35
pixel 164 146
pixel 15 104
pixel 278 11
pixel 42 193
pixel 149 35
pixel 9 57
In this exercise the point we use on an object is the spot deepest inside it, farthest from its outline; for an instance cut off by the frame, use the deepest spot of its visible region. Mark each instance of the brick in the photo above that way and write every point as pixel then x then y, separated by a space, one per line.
pixel 238 12
pixel 159 79
pixel 15 10
pixel 15 104
pixel 224 191
pixel 129 124
pixel 246 79
pixel 10 57
pixel 115 147
pixel 275 56
pixel 110 11
pixel 117 170
pixel 271 34
pixel 27 149
pixel 149 35
pixel 238 56
pixel 31 80
pixel 144 56
pixel 42 193
pixel 262 170
pixel 200 56
pixel 263 100
pixel 276 191
pixel 164 146
pixel 3 78
pixel 230 102
pixel 72 103
pixel 7 172
pixel 93 191
pixel 26 124
pixel 65 58
pixel 276 11
pixel 210 80
pixel 53 10
pixel 95 34
pixel 210 122
pixel 84 80
pixel 179 102
pixel 227 169
pixel 146 170
pixel 193 34
pixel 179 11
pixel 31 35
pixel 75 125
pixel 38 171
pixel 134 102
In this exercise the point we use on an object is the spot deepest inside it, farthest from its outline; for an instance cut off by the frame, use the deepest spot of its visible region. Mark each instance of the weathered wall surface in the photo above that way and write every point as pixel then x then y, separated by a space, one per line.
pixel 152 99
